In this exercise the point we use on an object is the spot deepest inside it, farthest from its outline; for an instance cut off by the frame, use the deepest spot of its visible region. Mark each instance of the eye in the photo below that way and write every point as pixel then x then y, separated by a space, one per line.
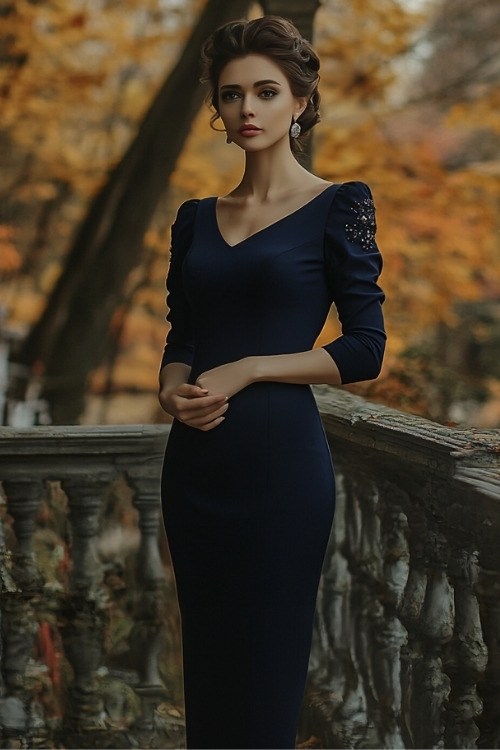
pixel 268 93
pixel 229 96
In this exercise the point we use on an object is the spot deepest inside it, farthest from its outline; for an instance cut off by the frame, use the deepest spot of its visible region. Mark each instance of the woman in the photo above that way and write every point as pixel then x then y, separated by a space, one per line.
pixel 248 485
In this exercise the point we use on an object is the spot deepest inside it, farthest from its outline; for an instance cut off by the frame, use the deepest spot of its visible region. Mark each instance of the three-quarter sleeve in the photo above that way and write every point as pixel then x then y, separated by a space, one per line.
pixel 179 345
pixel 353 264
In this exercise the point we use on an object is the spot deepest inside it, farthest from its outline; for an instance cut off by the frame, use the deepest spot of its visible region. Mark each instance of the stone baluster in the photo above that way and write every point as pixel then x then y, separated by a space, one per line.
pixel 148 633
pixel 363 552
pixel 415 590
pixel 84 499
pixel 23 504
pixel 365 561
pixel 353 519
pixel 436 627
pixel 330 639
pixel 19 623
pixel 150 575
pixel 389 633
pixel 489 688
pixel 389 637
pixel 7 583
pixel 396 555
pixel 410 613
pixel 468 656
pixel 83 611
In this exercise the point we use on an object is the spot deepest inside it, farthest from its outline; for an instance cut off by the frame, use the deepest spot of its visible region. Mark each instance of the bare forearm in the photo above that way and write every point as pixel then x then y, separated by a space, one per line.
pixel 173 375
pixel 315 366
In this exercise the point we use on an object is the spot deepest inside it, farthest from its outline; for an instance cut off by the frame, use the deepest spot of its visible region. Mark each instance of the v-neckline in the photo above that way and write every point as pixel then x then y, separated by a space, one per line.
pixel 269 226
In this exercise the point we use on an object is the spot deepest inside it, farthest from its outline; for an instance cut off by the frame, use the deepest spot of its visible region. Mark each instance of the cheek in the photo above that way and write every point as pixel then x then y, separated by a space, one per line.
pixel 281 114
pixel 282 105
pixel 228 110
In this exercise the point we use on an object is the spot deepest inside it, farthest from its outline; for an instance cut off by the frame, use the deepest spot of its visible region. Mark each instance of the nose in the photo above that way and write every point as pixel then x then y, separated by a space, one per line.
pixel 247 107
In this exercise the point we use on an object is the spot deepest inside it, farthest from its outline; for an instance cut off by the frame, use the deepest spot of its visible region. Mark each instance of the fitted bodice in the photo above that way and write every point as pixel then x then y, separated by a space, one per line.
pixel 265 295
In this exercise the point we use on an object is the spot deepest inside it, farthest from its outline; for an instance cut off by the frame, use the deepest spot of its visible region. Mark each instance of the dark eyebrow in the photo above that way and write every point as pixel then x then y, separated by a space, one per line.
pixel 257 83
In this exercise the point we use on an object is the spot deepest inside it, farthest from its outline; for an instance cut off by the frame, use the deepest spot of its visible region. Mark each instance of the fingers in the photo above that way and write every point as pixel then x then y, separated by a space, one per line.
pixel 210 425
pixel 198 396
pixel 200 420
pixel 202 415
pixel 192 405
pixel 199 407
pixel 187 390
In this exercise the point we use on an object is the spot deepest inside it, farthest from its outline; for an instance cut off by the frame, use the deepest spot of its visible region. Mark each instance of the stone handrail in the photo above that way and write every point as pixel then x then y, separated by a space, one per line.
pixel 405 650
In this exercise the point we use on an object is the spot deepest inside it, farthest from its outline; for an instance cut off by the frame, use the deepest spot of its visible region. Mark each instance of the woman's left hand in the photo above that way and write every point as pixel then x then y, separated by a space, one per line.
pixel 229 378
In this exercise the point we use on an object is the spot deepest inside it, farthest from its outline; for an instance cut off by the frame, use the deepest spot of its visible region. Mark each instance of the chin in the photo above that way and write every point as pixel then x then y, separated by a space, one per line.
pixel 252 147
pixel 264 143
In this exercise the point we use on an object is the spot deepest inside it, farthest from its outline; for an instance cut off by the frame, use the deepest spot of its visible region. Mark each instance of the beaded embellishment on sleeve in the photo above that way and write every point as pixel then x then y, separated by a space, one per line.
pixel 363 229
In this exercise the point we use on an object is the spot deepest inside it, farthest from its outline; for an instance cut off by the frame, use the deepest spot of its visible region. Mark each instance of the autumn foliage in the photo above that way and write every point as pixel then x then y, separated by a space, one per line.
pixel 399 112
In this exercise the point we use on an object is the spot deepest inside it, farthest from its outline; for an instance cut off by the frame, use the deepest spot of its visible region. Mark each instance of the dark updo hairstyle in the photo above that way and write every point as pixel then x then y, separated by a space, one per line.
pixel 278 39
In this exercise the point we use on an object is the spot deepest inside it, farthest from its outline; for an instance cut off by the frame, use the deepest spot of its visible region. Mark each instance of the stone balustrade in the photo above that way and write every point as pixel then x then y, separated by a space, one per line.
pixel 406 648
pixel 405 651
pixel 62 627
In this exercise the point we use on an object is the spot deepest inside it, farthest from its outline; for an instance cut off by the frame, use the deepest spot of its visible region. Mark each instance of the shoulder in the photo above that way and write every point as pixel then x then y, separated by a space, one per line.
pixel 187 211
pixel 352 192
pixel 354 201
pixel 182 228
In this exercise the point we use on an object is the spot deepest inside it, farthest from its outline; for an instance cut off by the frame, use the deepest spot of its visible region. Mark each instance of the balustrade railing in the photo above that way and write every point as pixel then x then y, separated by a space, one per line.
pixel 405 651
pixel 59 684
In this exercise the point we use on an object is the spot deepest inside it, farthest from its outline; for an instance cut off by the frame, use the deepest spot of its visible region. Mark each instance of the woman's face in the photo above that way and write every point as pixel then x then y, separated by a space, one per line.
pixel 256 103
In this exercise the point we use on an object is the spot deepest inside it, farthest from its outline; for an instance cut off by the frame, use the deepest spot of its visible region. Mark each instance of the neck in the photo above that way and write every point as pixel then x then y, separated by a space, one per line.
pixel 271 172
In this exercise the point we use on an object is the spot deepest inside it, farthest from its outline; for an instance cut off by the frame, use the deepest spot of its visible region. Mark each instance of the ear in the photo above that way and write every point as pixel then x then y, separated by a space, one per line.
pixel 300 105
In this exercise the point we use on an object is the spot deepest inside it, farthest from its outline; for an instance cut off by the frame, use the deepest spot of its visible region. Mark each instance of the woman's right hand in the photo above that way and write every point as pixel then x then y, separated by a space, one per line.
pixel 193 406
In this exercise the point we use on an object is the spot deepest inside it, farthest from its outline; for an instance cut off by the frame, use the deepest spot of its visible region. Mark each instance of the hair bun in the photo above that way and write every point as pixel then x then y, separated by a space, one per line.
pixel 312 61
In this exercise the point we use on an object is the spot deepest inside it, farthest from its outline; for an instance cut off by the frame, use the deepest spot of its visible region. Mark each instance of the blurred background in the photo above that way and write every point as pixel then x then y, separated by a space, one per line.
pixel 103 133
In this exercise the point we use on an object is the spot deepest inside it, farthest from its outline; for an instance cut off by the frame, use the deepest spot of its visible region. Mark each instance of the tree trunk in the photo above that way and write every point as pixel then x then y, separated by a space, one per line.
pixel 299 12
pixel 72 333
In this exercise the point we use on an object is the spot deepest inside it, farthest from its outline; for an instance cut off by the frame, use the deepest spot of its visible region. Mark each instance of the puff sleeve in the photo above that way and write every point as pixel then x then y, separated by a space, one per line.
pixel 179 345
pixel 353 264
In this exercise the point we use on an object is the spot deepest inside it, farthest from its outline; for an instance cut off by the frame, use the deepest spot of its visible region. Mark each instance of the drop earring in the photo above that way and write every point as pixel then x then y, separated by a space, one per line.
pixel 295 130
pixel 228 139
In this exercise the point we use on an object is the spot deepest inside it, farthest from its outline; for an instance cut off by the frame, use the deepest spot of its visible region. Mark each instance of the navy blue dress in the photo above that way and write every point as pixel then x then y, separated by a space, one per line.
pixel 248 506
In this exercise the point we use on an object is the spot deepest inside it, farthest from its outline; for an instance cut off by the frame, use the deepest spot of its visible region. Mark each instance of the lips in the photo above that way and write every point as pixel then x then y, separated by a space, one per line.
pixel 249 129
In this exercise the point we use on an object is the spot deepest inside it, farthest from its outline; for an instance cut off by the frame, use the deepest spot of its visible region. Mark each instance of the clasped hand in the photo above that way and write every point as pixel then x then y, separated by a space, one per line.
pixel 204 404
